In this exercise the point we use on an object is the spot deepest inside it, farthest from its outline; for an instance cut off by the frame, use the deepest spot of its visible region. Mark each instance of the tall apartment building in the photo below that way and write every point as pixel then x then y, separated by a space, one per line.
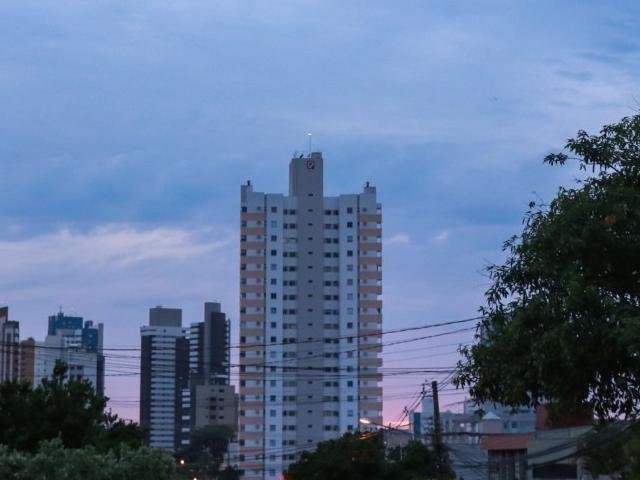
pixel 9 346
pixel 164 379
pixel 213 398
pixel 77 342
pixel 310 317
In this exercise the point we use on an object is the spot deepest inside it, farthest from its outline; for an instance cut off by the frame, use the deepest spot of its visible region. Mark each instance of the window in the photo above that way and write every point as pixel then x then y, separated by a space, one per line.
pixel 274 224
pixel 273 281
pixel 274 253
pixel 349 253
pixel 349 238
pixel 273 266
pixel 273 310
pixel 349 268
pixel 244 209
pixel 274 238
pixel 274 209
pixel 349 209
pixel 349 224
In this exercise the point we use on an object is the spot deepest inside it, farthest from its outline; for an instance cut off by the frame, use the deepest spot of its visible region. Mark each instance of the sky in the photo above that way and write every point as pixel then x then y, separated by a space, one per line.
pixel 127 127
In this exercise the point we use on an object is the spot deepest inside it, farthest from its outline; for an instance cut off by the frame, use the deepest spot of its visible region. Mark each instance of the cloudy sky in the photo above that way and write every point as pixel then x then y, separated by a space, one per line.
pixel 126 128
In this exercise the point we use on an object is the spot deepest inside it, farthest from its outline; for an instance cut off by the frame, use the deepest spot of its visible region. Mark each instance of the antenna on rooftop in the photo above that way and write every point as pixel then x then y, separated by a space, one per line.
pixel 309 137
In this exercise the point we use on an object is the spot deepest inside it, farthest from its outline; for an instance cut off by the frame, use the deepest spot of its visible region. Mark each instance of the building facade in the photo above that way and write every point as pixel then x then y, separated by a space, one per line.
pixel 213 399
pixel 9 346
pixel 164 380
pixel 310 317
pixel 72 338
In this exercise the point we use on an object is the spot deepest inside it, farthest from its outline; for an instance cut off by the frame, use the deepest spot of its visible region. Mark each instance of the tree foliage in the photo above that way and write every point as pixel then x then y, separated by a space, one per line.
pixel 205 453
pixel 68 410
pixel 562 315
pixel 364 457
pixel 52 461
pixel 614 450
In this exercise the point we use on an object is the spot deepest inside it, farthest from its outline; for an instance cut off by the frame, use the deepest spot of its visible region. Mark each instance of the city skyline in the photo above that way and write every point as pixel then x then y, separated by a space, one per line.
pixel 124 196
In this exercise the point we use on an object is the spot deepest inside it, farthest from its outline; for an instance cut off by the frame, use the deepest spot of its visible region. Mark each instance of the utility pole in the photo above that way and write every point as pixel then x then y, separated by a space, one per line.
pixel 437 429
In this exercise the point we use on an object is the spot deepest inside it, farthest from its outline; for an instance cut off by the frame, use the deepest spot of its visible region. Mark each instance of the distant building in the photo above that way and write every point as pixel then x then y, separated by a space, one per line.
pixel 165 397
pixel 551 451
pixel 27 360
pixel 213 398
pixel 77 342
pixel 82 364
pixel 9 346
pixel 466 427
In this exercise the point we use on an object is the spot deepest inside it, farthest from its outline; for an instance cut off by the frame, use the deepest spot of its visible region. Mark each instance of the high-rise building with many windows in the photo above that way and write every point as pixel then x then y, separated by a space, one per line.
pixel 213 398
pixel 164 380
pixel 310 318
pixel 9 346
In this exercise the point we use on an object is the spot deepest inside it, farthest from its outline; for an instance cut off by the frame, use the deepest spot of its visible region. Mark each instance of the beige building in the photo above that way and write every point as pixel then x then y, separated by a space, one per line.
pixel 214 405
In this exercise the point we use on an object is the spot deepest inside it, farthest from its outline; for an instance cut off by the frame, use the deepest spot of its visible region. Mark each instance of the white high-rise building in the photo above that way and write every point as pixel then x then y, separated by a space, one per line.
pixel 165 401
pixel 310 318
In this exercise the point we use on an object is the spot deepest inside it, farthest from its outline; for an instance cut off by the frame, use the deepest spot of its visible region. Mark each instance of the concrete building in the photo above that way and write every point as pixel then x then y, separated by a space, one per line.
pixel 83 364
pixel 551 451
pixel 165 398
pixel 79 336
pixel 213 398
pixel 9 346
pixel 476 419
pixel 310 317
pixel 27 360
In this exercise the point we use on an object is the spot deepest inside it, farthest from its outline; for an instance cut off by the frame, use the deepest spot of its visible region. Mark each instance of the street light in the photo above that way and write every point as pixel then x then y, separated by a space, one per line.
pixel 365 421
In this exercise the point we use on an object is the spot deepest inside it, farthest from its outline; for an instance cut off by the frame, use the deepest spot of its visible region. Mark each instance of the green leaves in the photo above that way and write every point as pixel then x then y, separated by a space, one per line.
pixel 364 457
pixel 562 312
pixel 53 461
pixel 69 411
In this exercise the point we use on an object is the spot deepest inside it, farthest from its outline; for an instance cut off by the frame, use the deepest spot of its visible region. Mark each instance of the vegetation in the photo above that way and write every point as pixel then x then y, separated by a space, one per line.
pixel 61 431
pixel 614 450
pixel 57 409
pixel 364 457
pixel 205 453
pixel 562 316
pixel 52 461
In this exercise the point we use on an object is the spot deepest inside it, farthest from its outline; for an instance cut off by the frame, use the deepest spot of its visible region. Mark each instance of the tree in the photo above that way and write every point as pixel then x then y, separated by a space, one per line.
pixel 69 410
pixel 52 461
pixel 206 450
pixel 562 315
pixel 614 450
pixel 363 457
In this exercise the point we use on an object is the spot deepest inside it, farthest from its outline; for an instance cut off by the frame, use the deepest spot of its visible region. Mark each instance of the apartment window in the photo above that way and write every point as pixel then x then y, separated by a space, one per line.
pixel 273 281
pixel 349 238
pixel 349 209
pixel 349 224
pixel 274 253
pixel 244 209
pixel 273 267
pixel 274 209
pixel 274 296
pixel 350 311
pixel 349 268
pixel 349 253
pixel 273 310
pixel 274 238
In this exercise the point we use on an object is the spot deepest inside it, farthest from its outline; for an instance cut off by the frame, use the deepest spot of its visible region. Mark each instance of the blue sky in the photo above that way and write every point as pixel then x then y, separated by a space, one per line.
pixel 126 128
